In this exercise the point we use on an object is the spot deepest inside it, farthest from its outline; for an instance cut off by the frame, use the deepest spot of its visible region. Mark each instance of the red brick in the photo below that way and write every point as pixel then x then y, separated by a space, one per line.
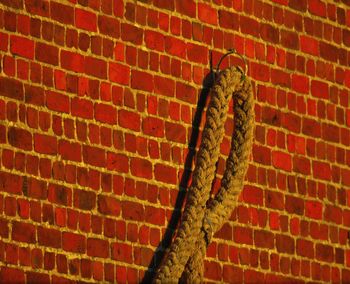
pixel 291 122
pixel 142 81
pixel 11 275
pixel 129 120
pixel 35 277
pixel 164 86
pixel 285 244
pixel 330 132
pixel 49 237
pixel 318 8
pixel 294 205
pixel 175 47
pixel 305 248
pixel 122 252
pixel 243 235
pixel 94 156
pixel 289 39
pixel 321 170
pixel 109 205
pixel 155 40
pixel 85 20
pixel 105 113
pixel 249 26
pixel 34 95
pixel 132 211
pixel 57 102
pixel 119 73
pixel 264 239
pixel 69 150
pixel 23 232
pixel 62 13
pixel 11 88
pixel 232 274
pixel 45 144
pixel 309 45
pixel 197 53
pixel 319 89
pixel 20 138
pixel 262 155
pixel 175 132
pixel 95 67
pixel 187 7
pixel 324 253
pixel 165 173
pixel 282 160
pixel 301 165
pixel 313 209
pixel 260 72
pixel 73 242
pixel 59 194
pixel 300 84
pixel 85 200
pixel 46 53
pixel 72 61
pixel 280 77
pixel 141 168
pixel 311 127
pixel 328 52
pixel 17 4
pixel 252 195
pixel 97 248
pixel 153 126
pixel 22 46
pixel 117 162
pixel 132 34
pixel 269 33
pixel 274 200
pixel 82 108
pixel 108 26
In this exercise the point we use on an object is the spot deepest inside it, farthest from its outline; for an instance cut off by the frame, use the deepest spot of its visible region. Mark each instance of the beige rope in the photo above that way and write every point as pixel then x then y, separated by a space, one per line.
pixel 200 220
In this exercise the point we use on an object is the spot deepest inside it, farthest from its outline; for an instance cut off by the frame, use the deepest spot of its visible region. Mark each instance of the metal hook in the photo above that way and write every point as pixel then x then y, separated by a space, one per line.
pixel 230 51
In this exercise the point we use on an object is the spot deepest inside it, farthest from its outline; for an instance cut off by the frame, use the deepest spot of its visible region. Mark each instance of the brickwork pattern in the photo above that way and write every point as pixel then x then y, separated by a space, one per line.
pixel 97 101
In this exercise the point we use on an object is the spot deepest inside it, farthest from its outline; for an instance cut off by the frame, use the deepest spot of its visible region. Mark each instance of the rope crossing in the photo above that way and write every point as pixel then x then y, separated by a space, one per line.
pixel 203 217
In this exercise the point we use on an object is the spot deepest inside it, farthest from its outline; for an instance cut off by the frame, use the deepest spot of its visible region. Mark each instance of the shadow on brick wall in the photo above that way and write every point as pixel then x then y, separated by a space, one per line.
pixel 185 179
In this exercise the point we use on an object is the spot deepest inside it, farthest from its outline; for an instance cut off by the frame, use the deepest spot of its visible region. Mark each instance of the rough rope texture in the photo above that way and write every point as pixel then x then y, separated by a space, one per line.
pixel 202 218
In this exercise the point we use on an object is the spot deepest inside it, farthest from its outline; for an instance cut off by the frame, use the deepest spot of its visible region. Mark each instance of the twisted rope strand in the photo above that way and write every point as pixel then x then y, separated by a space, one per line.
pixel 188 250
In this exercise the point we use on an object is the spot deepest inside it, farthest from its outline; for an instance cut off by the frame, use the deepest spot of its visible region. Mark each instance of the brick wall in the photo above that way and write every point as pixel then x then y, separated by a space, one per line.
pixel 97 103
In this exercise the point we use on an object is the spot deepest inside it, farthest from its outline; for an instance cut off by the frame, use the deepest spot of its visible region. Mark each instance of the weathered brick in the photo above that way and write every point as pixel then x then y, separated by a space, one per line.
pixel 62 13
pixel 109 205
pixel 131 34
pixel 108 26
pixel 142 81
pixel 46 53
pixel 11 275
pixel 129 120
pixel 105 113
pixel 45 144
pixel 305 248
pixel 119 73
pixel 132 211
pixel 85 200
pixel 165 173
pixel 23 232
pixel 141 168
pixel 85 20
pixel 22 46
pixel 49 237
pixel 94 156
pixel 321 170
pixel 97 247
pixel 72 242
pixel 11 88
pixel 20 138
pixel 294 205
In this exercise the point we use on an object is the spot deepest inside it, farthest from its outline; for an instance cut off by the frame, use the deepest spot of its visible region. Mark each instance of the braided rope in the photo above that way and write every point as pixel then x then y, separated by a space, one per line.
pixel 200 220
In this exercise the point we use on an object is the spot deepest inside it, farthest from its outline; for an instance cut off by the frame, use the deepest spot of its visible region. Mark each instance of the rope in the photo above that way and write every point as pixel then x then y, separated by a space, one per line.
pixel 201 219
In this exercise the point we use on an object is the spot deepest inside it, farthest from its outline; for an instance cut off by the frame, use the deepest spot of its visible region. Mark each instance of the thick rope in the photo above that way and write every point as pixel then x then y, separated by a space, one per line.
pixel 200 220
